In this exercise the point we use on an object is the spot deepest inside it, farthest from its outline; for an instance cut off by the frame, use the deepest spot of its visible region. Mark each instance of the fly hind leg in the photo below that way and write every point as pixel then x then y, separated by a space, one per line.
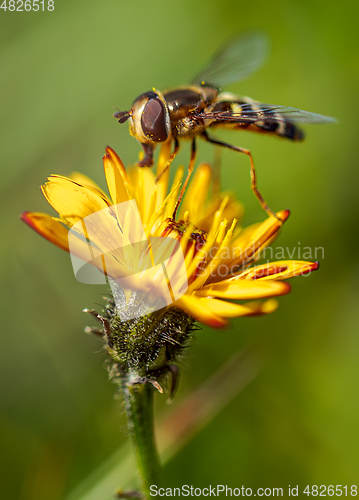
pixel 254 187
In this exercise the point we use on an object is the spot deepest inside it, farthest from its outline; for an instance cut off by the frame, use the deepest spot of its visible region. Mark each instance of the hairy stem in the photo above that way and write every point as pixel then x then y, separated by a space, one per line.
pixel 138 398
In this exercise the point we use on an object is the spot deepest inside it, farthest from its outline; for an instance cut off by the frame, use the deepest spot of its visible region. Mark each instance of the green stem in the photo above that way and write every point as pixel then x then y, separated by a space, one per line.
pixel 138 398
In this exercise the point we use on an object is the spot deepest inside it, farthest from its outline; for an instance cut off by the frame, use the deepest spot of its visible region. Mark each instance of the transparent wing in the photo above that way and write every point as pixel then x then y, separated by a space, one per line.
pixel 236 60
pixel 254 112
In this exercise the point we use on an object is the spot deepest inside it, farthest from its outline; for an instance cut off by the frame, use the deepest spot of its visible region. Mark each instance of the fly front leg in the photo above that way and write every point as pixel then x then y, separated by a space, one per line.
pixel 148 158
pixel 170 160
pixel 254 187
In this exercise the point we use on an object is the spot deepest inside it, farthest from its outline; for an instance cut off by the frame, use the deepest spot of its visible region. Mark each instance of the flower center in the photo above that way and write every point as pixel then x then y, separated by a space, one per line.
pixel 176 229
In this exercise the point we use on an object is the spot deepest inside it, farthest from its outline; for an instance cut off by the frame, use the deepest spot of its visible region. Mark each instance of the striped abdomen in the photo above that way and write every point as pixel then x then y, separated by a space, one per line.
pixel 244 113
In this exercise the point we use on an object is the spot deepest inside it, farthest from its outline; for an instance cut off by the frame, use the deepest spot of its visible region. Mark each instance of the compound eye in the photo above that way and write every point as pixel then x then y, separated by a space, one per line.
pixel 153 120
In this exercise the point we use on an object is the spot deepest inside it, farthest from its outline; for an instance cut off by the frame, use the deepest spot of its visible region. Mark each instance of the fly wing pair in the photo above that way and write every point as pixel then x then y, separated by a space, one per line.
pixel 234 62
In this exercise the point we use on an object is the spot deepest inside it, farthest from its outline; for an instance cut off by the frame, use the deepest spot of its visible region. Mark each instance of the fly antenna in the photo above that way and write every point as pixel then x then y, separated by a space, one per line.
pixel 122 116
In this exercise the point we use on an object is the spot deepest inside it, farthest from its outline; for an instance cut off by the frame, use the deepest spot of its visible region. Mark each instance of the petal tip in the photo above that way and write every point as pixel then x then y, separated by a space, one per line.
pixel 286 288
pixel 26 217
pixel 313 266
pixel 283 214
pixel 270 306
pixel 218 323
pixel 23 215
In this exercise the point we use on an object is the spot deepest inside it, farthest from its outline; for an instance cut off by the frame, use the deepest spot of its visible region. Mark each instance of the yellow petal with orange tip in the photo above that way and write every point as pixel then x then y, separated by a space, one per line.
pixel 257 236
pixel 55 232
pixel 200 310
pixel 72 200
pixel 226 309
pixel 48 227
pixel 279 270
pixel 75 202
pixel 119 165
pixel 115 181
pixel 242 289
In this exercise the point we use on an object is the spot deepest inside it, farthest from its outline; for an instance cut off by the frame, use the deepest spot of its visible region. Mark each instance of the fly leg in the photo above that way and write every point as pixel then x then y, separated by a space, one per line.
pixel 148 158
pixel 254 188
pixel 190 170
pixel 169 161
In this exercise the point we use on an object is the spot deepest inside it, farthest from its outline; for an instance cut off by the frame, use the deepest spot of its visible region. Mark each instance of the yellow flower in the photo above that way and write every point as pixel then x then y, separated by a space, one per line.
pixel 218 254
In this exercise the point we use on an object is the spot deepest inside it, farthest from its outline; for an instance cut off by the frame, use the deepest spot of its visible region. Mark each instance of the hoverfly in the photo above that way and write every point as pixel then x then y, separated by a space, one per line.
pixel 190 111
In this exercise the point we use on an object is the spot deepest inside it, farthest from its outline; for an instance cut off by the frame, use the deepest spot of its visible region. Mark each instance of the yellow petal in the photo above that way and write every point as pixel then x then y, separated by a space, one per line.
pixel 85 181
pixel 244 289
pixel 218 217
pixel 197 193
pixel 176 184
pixel 280 270
pixel 232 210
pixel 144 182
pixel 200 310
pixel 156 217
pixel 72 200
pixel 162 183
pixel 216 260
pixel 229 310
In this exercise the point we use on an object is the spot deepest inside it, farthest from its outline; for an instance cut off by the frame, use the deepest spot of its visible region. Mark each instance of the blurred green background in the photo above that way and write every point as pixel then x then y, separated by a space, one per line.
pixel 61 74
